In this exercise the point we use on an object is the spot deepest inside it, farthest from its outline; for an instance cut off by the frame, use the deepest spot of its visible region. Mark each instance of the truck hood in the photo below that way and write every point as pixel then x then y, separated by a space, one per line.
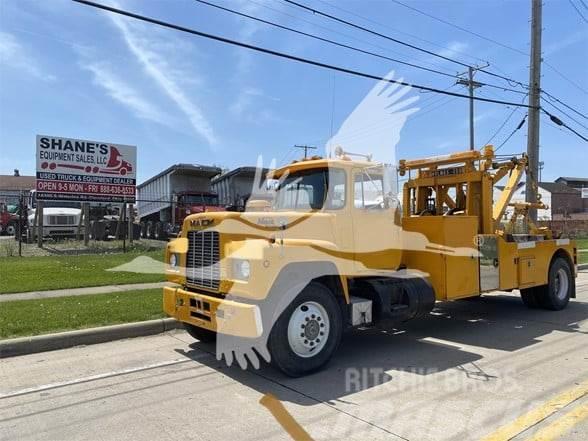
pixel 263 224
pixel 57 211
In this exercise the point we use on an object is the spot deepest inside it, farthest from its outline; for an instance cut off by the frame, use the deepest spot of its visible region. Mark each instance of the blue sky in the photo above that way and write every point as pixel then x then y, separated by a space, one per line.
pixel 70 70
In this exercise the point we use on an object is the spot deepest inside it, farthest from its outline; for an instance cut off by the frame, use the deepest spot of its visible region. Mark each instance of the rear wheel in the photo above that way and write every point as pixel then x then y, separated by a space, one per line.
pixel 556 294
pixel 307 333
pixel 204 335
pixel 157 231
pixel 530 298
pixel 149 230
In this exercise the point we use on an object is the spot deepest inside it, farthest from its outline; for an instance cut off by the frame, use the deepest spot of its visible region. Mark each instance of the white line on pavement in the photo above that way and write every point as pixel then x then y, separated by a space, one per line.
pixel 111 374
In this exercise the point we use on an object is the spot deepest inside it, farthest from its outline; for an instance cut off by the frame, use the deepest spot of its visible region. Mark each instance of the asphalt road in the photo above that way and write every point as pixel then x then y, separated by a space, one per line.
pixel 488 367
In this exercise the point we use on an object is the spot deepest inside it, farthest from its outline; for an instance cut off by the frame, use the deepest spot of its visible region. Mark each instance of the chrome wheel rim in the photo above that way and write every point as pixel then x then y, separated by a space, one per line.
pixel 562 284
pixel 308 329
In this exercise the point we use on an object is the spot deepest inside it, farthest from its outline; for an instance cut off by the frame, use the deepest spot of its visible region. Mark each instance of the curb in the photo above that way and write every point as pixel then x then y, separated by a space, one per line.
pixel 62 340
pixel 582 266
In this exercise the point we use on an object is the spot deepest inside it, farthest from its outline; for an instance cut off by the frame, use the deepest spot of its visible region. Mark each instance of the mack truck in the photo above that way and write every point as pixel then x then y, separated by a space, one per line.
pixel 337 248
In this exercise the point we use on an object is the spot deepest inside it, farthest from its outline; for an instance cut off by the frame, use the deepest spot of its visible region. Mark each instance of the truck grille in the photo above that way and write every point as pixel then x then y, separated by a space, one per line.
pixel 202 264
pixel 62 220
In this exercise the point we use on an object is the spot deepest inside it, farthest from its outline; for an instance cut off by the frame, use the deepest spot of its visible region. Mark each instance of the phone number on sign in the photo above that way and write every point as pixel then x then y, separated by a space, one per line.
pixel 78 187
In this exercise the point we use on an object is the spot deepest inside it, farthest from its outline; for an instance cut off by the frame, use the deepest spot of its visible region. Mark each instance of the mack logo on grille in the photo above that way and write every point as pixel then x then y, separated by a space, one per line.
pixel 200 222
pixel 202 265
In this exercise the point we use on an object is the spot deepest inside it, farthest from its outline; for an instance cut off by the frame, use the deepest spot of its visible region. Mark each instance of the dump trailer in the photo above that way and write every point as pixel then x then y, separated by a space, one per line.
pixel 164 201
pixel 234 188
pixel 337 249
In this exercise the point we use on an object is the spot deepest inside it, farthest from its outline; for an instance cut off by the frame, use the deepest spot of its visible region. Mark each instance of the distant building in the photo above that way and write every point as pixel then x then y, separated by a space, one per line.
pixel 577 183
pixel 562 201
pixel 580 184
pixel 11 186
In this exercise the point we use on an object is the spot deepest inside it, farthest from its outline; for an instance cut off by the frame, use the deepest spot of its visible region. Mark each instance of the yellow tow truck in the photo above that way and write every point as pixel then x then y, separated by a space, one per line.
pixel 336 249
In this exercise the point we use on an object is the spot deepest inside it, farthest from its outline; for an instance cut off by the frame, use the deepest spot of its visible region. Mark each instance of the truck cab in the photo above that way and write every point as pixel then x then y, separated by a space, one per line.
pixel 335 249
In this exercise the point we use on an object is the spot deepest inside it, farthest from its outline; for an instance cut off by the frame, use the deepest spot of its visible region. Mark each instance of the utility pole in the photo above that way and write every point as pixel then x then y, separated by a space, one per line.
pixel 534 103
pixel 471 84
pixel 306 149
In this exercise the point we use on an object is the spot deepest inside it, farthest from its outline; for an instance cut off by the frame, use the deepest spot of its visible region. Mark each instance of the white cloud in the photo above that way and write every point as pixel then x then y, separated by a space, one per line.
pixel 244 107
pixel 453 48
pixel 565 42
pixel 143 46
pixel 124 93
pixel 15 55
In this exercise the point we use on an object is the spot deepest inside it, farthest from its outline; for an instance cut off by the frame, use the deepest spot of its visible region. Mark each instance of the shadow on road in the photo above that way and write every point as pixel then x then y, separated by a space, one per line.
pixel 377 357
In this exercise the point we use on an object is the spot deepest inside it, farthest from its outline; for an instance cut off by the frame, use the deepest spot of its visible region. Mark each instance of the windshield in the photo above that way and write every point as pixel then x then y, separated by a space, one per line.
pixel 310 190
pixel 199 199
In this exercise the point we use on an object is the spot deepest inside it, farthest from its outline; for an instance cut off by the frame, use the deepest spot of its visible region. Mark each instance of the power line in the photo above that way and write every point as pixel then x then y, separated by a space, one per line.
pixel 343 34
pixel 502 125
pixel 483 37
pixel 558 72
pixel 577 10
pixel 566 114
pixel 346 46
pixel 564 104
pixel 395 40
pixel 518 51
pixel 379 34
pixel 400 32
pixel 559 122
pixel 285 55
pixel 326 40
pixel 517 128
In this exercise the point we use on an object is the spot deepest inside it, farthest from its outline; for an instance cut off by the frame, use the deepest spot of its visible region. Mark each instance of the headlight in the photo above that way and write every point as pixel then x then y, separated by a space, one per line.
pixel 173 260
pixel 242 269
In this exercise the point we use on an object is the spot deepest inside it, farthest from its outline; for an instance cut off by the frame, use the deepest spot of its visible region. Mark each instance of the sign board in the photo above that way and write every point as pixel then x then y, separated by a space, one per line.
pixel 585 193
pixel 82 170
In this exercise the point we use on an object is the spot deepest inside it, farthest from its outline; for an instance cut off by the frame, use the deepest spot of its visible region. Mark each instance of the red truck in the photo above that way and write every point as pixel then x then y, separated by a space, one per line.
pixel 8 220
pixel 164 200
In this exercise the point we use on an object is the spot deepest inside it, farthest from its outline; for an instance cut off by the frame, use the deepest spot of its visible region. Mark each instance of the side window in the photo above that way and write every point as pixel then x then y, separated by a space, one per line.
pixel 337 189
pixel 368 190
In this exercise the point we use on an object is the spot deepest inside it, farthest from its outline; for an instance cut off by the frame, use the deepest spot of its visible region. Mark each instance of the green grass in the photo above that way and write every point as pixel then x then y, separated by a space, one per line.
pixel 59 272
pixel 33 317
pixel 582 245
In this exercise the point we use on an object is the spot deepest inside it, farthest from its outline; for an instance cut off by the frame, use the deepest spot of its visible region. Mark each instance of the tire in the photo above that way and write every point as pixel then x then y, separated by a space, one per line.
pixel 157 231
pixel 201 334
pixel 560 287
pixel 149 230
pixel 92 231
pixel 530 298
pixel 293 336
pixel 11 229
pixel 143 233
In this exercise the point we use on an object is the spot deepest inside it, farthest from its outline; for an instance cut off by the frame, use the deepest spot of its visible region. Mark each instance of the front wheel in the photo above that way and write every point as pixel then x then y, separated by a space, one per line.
pixel 307 333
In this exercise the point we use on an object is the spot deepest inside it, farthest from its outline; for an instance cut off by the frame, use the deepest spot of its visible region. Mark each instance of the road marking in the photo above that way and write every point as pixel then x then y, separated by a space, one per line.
pixel 76 381
pixel 286 420
pixel 538 414
pixel 562 425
